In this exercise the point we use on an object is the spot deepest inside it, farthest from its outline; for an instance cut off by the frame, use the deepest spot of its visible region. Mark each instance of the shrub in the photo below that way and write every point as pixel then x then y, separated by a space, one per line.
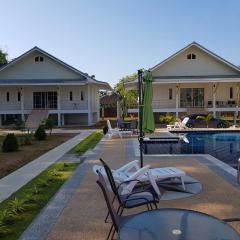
pixel 168 118
pixel 49 123
pixel 3 229
pixel 40 133
pixel 20 125
pixel 16 205
pixel 10 143
pixel 8 217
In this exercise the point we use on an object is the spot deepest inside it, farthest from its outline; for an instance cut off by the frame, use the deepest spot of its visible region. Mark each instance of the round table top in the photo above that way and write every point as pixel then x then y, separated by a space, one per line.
pixel 175 224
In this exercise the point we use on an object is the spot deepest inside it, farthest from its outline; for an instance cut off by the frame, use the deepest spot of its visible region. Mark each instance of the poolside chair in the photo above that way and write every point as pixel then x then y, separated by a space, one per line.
pixel 132 171
pixel 135 199
pixel 117 220
pixel 116 131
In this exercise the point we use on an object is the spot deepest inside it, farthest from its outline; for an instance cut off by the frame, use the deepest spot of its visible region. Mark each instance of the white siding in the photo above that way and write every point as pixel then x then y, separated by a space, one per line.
pixel 27 68
pixel 13 103
pixel 204 64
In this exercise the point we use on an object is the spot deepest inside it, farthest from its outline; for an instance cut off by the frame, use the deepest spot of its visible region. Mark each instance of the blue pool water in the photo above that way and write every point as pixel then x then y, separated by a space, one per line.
pixel 223 146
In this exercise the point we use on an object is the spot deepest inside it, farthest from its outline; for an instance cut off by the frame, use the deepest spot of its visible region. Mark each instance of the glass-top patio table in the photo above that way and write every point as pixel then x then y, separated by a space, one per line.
pixel 176 224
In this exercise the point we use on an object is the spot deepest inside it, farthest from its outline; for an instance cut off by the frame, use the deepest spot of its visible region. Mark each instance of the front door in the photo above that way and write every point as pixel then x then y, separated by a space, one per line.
pixel 45 100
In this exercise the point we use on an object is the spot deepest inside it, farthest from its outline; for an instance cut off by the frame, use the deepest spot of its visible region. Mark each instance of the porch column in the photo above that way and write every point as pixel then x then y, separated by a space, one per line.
pixel 58 106
pixel 238 99
pixel 89 105
pixel 63 120
pixel 22 103
pixel 177 100
pixel 214 99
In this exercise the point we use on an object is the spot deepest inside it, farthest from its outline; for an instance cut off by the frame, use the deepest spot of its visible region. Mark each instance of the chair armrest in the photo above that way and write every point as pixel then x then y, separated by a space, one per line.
pixel 140 173
pixel 129 166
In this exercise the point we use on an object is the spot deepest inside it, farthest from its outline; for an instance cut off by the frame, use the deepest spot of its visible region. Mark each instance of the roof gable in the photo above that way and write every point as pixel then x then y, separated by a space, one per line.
pixel 25 67
pixel 205 64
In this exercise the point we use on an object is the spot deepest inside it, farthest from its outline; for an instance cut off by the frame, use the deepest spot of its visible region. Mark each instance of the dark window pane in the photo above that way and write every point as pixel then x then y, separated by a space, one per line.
pixel 193 56
pixel 231 92
pixel 41 59
pixel 189 56
pixel 19 96
pixel 70 96
pixel 36 59
pixel 170 93
pixel 8 97
pixel 82 97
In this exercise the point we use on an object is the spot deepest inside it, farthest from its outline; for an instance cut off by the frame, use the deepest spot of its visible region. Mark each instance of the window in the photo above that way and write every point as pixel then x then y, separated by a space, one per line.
pixel 39 59
pixel 231 92
pixel 170 93
pixel 191 56
pixel 82 96
pixel 19 96
pixel 8 96
pixel 70 96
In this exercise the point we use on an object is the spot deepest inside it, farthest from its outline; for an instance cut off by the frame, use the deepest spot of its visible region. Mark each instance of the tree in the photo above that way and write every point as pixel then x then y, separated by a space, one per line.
pixel 128 97
pixel 3 57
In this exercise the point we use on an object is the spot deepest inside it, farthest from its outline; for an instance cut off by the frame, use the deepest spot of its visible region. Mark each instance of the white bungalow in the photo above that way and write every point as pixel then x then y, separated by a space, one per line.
pixel 195 80
pixel 37 84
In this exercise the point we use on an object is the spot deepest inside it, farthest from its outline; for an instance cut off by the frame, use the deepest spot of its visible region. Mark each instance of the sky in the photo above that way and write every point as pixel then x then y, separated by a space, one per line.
pixel 114 38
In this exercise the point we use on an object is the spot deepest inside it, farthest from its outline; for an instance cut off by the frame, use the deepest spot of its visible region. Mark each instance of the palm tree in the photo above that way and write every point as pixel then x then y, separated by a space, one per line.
pixel 206 118
pixel 128 97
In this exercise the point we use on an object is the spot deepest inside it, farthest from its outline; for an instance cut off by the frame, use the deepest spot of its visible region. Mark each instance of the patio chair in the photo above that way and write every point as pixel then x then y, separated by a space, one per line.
pixel 118 220
pixel 135 199
pixel 178 125
pixel 132 171
pixel 116 131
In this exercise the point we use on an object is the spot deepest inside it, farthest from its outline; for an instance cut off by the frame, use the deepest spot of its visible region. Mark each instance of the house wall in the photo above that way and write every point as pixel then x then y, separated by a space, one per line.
pixel 161 93
pixel 27 68
pixel 204 64
pixel 13 103
pixel 65 103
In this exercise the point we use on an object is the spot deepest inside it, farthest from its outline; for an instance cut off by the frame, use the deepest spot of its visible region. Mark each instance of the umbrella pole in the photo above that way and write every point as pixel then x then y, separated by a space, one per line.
pixel 140 113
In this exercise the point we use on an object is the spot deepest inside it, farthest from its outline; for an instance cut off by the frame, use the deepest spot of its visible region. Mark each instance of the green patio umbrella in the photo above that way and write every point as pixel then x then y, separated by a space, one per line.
pixel 148 118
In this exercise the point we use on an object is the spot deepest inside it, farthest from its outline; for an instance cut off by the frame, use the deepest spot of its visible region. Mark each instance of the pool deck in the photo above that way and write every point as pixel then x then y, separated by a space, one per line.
pixel 82 216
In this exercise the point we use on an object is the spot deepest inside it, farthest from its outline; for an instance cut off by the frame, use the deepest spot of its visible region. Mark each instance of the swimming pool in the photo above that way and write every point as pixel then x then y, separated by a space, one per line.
pixel 224 146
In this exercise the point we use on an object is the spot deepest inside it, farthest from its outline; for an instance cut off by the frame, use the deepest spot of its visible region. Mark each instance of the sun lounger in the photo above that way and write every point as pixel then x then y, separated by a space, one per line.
pixel 132 171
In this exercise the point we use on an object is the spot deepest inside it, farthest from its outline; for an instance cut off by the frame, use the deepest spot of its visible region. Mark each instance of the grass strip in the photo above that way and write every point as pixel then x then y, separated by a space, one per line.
pixel 18 211
pixel 87 143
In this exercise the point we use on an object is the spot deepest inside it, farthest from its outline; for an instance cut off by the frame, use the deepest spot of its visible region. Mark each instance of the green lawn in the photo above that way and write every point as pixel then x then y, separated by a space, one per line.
pixel 18 211
pixel 88 143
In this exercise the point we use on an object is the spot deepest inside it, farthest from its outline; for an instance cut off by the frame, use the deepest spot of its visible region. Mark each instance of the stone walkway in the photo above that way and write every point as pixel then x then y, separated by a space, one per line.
pixel 77 211
pixel 14 181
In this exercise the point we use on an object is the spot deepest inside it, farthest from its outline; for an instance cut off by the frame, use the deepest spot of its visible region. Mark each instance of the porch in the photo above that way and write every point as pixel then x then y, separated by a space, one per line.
pixel 198 97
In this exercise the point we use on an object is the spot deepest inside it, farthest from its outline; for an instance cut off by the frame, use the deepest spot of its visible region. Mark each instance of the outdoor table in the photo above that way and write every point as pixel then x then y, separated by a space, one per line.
pixel 126 125
pixel 175 224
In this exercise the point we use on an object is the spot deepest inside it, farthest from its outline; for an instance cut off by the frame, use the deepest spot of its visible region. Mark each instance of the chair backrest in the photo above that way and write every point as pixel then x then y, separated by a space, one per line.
pixel 110 179
pixel 115 217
